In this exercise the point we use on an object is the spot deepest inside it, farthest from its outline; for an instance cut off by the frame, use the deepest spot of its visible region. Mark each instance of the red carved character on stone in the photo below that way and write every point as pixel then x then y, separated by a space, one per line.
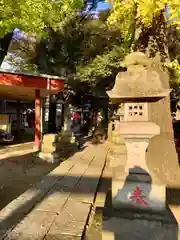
pixel 137 197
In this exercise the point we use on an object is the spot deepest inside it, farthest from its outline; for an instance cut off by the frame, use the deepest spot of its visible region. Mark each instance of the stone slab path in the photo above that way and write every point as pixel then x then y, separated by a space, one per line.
pixel 58 207
pixel 7 151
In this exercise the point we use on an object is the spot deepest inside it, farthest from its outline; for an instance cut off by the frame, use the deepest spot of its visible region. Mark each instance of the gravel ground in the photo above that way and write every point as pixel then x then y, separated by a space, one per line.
pixel 17 174
pixel 20 169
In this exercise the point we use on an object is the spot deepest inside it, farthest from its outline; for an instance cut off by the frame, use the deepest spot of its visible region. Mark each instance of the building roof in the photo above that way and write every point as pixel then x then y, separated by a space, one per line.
pixel 32 74
pixel 21 86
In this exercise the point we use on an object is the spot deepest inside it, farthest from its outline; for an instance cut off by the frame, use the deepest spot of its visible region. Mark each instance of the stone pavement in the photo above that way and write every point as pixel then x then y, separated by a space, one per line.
pixel 7 151
pixel 58 207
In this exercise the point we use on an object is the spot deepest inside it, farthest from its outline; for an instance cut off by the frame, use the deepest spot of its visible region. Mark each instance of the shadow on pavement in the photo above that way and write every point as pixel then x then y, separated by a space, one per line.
pixel 38 193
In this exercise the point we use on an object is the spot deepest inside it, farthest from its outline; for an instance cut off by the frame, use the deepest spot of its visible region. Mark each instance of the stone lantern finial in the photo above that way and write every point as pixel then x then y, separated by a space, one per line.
pixel 137 58
pixel 139 81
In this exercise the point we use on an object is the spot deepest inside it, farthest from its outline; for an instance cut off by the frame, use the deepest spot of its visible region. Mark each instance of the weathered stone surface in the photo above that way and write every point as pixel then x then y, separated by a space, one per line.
pixel 62 168
pixel 161 154
pixel 137 58
pixel 62 237
pixel 86 188
pixel 58 195
pixel 137 137
pixel 51 147
pixel 33 227
pixel 139 81
pixel 153 196
pixel 50 157
pixel 71 220
pixel 133 225
pixel 120 228
pixel 104 187
pixel 48 144
pixel 18 208
pixel 117 154
pixel 144 88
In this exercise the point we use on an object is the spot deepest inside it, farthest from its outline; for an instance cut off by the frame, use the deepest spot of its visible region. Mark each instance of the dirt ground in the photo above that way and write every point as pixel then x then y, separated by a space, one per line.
pixel 20 169
pixel 17 174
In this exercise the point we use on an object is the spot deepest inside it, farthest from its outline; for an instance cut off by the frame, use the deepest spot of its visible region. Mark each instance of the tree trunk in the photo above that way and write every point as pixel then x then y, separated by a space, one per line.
pixel 4 45
pixel 62 116
pixel 153 40
pixel 133 26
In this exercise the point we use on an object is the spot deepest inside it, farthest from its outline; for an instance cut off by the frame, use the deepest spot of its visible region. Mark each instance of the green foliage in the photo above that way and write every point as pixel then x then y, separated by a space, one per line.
pixel 35 16
pixel 174 65
pixel 145 27
pixel 122 13
pixel 77 47
pixel 102 65
pixel 122 16
pixel 82 51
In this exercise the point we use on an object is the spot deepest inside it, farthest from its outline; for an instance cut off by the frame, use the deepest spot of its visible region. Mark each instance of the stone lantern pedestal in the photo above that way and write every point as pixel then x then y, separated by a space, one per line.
pixel 137 187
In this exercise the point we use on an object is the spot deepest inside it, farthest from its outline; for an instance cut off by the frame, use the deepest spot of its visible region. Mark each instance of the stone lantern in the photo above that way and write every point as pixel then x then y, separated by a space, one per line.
pixel 134 186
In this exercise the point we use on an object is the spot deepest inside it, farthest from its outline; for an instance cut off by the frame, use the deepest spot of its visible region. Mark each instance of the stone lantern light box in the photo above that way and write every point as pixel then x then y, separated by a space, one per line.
pixel 136 112
pixel 137 187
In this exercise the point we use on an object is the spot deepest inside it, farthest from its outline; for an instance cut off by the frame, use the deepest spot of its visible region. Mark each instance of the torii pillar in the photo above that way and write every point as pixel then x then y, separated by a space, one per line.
pixel 37 139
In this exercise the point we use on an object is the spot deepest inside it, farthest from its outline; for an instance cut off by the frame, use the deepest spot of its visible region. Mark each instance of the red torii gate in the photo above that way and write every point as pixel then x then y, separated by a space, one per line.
pixel 21 86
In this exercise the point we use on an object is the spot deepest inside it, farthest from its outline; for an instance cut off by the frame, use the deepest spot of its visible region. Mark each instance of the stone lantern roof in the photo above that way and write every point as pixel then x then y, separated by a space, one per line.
pixel 141 80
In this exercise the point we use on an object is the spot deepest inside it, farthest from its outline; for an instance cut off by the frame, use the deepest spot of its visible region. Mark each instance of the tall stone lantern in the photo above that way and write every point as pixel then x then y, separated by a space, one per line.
pixel 134 186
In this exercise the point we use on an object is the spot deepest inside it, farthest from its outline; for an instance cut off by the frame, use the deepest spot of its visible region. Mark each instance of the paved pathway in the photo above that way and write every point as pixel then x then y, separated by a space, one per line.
pixel 7 151
pixel 57 207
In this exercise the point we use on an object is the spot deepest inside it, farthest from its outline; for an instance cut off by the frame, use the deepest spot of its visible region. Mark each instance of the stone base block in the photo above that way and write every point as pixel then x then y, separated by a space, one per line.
pixel 72 139
pixel 138 229
pixel 130 225
pixel 48 143
pixel 137 191
pixel 49 157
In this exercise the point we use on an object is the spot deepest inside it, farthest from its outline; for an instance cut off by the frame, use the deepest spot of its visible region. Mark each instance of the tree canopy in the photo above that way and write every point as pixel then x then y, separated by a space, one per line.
pixel 152 27
pixel 130 14
pixel 36 16
pixel 83 51
pixel 72 43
